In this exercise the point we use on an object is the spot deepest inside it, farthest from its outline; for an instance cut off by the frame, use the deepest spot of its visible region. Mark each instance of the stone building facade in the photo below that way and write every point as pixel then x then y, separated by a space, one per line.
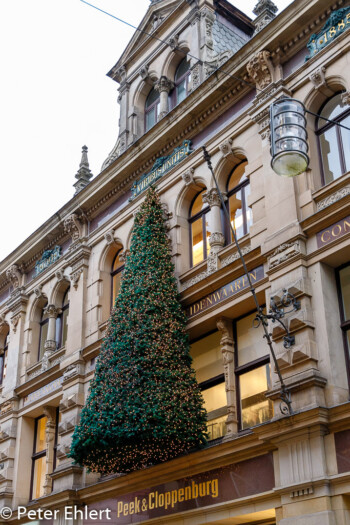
pixel 207 78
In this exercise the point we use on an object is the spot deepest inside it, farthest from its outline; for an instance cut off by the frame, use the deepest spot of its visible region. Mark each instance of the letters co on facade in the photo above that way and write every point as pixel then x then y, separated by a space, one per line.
pixel 261 466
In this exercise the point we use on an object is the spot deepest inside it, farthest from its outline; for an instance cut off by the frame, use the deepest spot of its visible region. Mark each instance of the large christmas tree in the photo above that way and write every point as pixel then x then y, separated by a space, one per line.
pixel 144 404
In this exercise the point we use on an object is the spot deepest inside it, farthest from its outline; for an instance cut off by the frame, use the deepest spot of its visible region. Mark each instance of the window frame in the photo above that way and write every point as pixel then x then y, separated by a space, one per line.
pixel 344 323
pixel 114 273
pixel 35 457
pixel 191 220
pixel 41 324
pixel 212 381
pixel 239 187
pixel 177 82
pixel 3 361
pixel 59 320
pixel 320 130
pixel 148 109
pixel 243 369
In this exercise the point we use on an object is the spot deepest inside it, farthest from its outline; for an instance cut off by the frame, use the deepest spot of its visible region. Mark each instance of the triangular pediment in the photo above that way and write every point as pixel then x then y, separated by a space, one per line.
pixel 157 13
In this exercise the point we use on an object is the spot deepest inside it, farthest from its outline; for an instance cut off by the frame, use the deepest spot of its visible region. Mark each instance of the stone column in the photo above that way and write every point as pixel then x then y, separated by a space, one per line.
pixel 50 413
pixel 50 343
pixel 217 238
pixel 164 86
pixel 227 347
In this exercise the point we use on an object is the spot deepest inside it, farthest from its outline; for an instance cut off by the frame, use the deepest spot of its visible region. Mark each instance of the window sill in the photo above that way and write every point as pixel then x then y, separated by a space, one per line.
pixel 54 359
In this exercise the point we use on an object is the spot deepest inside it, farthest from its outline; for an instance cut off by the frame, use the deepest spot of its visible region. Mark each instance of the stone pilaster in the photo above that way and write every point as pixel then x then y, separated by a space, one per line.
pixel 227 348
pixel 217 238
pixel 50 413
pixel 163 86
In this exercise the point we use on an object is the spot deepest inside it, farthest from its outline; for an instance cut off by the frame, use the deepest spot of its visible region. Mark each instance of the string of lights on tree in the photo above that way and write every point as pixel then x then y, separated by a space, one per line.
pixel 144 405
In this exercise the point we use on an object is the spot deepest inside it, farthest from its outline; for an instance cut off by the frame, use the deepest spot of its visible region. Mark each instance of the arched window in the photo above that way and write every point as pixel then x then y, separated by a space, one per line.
pixel 334 142
pixel 151 109
pixel 238 190
pixel 44 326
pixel 62 322
pixel 3 361
pixel 200 230
pixel 116 274
pixel 182 80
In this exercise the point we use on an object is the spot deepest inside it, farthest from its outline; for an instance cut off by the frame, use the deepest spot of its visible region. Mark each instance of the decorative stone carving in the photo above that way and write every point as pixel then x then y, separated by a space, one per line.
pixel 14 322
pixel 234 256
pixel 227 348
pixel 335 197
pixel 38 291
pixel 260 69
pixel 157 20
pixel 187 177
pixel 226 148
pixel 265 11
pixel 318 78
pixel 173 41
pixel 283 253
pixel 163 84
pixel 74 277
pixel 196 76
pixel 52 311
pixel 50 430
pixel 120 74
pixel 3 324
pixel 217 239
pixel 345 98
pixel 74 226
pixel 209 19
pixel 144 72
pixel 212 197
pixel 109 237
pixel 194 280
pixel 124 255
pixel 212 262
pixel 14 274
pixel 84 174
pixel 60 276
pixel 70 371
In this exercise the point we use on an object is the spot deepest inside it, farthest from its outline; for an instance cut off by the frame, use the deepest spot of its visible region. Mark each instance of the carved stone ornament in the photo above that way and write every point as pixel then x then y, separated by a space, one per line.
pixel 120 74
pixel 164 84
pixel 123 256
pixel 38 291
pixel 345 98
pixel 144 72
pixel 70 371
pixel 74 226
pixel 173 41
pixel 226 148
pixel 260 69
pixel 109 237
pixel 187 177
pixel 75 278
pixel 217 239
pixel 317 77
pixel 60 276
pixel 337 196
pixel 235 256
pixel 3 324
pixel 14 275
pixel 212 262
pixel 52 311
pixel 266 11
pixel 196 76
pixel 14 322
pixel 212 197
pixel 283 253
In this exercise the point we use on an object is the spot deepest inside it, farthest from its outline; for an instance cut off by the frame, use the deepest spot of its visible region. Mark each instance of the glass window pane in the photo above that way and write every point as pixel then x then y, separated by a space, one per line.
pixel 332 109
pixel 330 155
pixel 184 66
pixel 238 175
pixel 197 241
pixel 251 344
pixel 43 337
pixel 58 330
pixel 117 278
pixel 208 231
pixel 4 365
pixel 117 263
pixel 152 97
pixel 215 397
pixel 216 428
pixel 150 119
pixel 255 408
pixel 198 204
pixel 44 314
pixel 64 326
pixel 346 142
pixel 40 443
pixel 39 477
pixel 66 298
pixel 345 291
pixel 236 214
pixel 249 213
pixel 207 357
pixel 181 92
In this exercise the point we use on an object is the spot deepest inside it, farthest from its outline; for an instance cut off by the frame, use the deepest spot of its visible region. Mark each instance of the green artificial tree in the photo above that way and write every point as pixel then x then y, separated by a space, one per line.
pixel 144 405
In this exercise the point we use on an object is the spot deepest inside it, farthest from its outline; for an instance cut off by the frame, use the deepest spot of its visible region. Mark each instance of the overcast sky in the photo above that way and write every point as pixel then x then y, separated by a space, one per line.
pixel 55 97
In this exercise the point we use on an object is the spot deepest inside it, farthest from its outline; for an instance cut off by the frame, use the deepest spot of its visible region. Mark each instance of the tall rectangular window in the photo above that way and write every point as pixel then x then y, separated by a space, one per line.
pixel 253 376
pixel 207 362
pixel 39 458
pixel 343 281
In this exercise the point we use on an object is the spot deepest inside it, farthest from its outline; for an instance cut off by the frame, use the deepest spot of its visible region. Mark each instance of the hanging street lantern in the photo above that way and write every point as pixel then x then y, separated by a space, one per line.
pixel 288 137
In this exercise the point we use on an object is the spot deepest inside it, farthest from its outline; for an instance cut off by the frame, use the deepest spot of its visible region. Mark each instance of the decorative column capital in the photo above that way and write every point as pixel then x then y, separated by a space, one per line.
pixel 217 239
pixel 52 311
pixel 212 197
pixel 164 85
pixel 260 69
